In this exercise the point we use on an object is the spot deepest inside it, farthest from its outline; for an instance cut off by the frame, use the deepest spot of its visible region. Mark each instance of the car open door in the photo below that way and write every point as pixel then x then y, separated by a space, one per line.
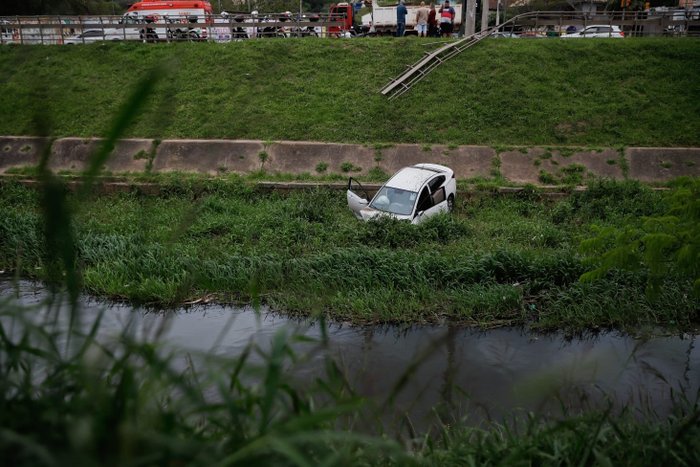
pixel 358 198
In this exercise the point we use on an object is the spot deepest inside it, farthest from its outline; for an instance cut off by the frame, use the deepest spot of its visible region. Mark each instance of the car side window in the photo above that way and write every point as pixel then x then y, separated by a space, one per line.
pixel 436 183
pixel 424 201
pixel 438 196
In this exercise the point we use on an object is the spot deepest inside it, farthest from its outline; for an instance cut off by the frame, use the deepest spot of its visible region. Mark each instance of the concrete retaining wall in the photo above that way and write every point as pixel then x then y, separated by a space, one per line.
pixel 533 165
pixel 73 154
pixel 655 164
pixel 209 157
pixel 20 151
pixel 522 165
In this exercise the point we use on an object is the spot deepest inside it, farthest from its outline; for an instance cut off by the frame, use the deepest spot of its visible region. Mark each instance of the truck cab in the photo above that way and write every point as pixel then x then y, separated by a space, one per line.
pixel 342 12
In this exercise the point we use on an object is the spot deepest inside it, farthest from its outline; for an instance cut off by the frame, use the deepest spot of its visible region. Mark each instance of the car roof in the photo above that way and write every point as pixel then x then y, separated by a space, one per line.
pixel 412 178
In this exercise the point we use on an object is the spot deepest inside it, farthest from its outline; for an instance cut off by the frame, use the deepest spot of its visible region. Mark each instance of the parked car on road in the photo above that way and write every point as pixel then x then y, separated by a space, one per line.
pixel 598 30
pixel 504 34
pixel 7 34
pixel 532 35
pixel 92 35
pixel 413 193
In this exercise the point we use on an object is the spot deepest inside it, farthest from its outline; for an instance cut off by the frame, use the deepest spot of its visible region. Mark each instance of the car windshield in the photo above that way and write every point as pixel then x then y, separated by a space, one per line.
pixel 394 200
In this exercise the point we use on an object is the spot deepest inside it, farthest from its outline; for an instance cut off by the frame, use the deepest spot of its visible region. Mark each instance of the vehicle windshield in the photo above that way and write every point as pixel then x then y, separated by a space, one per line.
pixel 394 200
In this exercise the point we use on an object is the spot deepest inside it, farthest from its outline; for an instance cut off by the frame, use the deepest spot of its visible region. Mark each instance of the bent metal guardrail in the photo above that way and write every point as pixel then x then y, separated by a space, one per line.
pixel 48 30
pixel 539 24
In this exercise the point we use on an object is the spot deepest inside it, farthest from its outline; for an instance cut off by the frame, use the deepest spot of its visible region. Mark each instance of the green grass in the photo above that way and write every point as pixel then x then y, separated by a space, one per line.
pixel 586 93
pixel 592 439
pixel 498 260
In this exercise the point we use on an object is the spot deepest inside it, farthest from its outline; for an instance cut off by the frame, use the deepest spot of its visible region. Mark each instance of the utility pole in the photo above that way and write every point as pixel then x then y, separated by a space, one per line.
pixel 471 17
pixel 468 18
pixel 484 15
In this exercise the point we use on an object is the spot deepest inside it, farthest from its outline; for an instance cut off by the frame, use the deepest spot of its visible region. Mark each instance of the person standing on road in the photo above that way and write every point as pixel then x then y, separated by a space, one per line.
pixel 432 22
pixel 447 17
pixel 422 20
pixel 401 13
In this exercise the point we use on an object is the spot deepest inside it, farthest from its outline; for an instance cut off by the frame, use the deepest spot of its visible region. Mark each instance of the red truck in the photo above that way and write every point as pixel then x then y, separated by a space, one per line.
pixel 351 23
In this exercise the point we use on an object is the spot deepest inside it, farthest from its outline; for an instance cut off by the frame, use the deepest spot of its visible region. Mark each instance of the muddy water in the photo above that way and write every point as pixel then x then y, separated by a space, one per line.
pixel 452 372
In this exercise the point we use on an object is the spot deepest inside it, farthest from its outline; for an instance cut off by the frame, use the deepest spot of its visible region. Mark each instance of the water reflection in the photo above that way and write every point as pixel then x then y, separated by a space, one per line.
pixel 446 371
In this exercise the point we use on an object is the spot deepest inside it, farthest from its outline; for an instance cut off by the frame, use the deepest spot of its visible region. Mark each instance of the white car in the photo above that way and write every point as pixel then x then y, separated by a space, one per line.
pixel 504 34
pixel 597 30
pixel 414 194
pixel 93 35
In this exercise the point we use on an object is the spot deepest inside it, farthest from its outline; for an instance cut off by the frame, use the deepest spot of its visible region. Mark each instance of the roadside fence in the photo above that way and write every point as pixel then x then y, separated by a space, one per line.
pixel 245 26
pixel 47 30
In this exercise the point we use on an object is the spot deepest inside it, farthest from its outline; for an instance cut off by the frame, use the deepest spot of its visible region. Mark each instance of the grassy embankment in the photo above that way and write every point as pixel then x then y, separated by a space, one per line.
pixel 496 261
pixel 540 92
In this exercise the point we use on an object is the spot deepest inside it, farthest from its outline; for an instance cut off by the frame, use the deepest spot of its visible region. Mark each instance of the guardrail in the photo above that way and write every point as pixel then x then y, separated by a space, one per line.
pixel 225 28
pixel 48 30
pixel 633 23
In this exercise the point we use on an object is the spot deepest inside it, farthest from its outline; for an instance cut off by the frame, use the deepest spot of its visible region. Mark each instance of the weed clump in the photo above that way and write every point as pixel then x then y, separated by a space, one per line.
pixel 608 200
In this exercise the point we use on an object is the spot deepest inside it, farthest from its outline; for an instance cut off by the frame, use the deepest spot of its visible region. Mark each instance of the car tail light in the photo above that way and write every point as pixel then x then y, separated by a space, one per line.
pixel 622 33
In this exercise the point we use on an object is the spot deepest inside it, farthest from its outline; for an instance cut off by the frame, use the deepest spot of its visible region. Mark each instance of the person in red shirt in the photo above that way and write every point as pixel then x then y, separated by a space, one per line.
pixel 447 18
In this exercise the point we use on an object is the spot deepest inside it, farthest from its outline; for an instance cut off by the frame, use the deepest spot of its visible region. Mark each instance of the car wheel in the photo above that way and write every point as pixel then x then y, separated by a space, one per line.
pixel 451 203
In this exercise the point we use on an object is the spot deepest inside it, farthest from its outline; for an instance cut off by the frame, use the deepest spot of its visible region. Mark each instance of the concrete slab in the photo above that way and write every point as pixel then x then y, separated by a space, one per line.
pixel 662 164
pixel 310 157
pixel 471 161
pixel 73 154
pixel 20 151
pixel 213 157
pixel 538 165
pixel 466 161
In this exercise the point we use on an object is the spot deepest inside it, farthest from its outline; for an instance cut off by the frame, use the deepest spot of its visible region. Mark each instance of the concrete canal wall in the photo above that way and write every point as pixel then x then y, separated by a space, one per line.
pixel 536 165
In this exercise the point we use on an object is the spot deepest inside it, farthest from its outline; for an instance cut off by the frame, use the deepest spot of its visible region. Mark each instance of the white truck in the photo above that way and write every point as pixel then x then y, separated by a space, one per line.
pixel 382 19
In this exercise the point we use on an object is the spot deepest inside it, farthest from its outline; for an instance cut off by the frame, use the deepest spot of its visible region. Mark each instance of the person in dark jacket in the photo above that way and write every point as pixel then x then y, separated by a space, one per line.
pixel 401 13
pixel 432 22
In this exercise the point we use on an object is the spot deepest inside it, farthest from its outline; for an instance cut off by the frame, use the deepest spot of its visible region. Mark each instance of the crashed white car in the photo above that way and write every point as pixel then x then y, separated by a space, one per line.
pixel 414 194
